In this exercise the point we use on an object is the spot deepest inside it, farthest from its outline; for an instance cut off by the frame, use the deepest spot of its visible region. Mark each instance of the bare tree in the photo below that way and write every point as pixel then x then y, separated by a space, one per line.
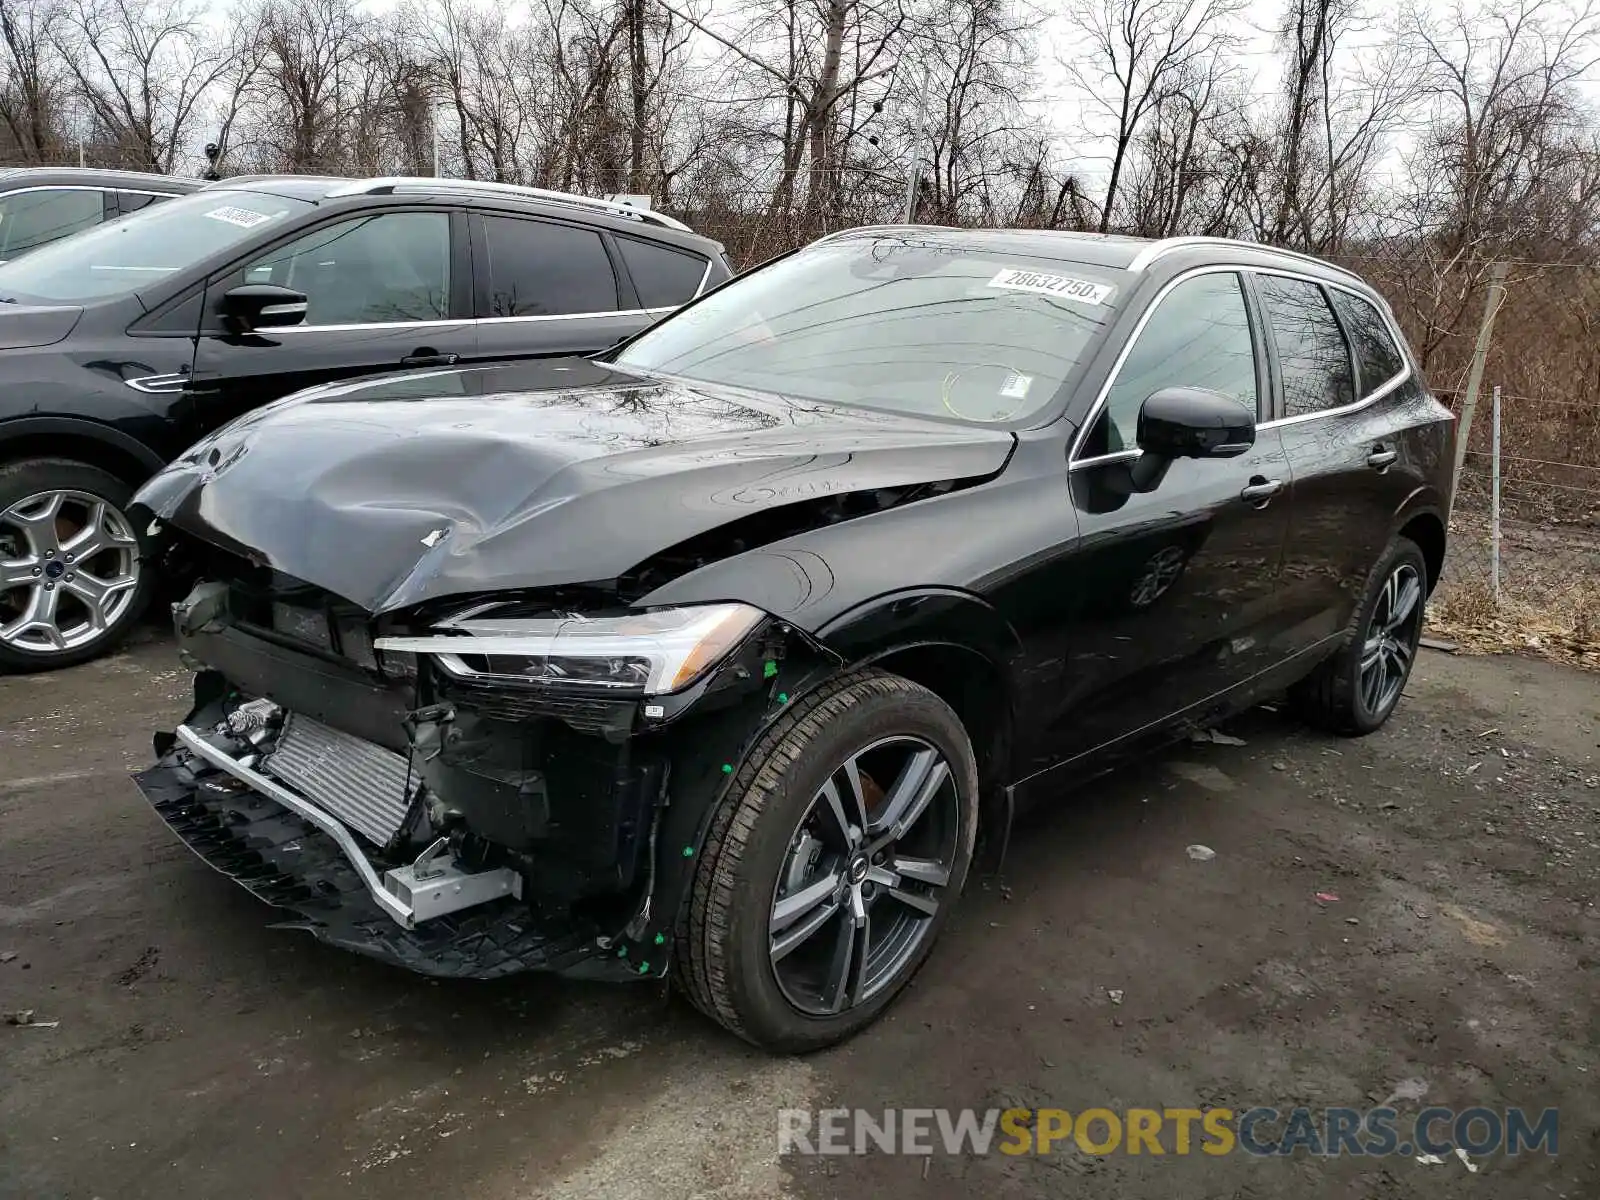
pixel 142 68
pixel 1136 52
pixel 34 84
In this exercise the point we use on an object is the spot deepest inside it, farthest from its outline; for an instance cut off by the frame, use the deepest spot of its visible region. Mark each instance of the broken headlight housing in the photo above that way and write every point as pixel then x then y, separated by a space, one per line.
pixel 630 654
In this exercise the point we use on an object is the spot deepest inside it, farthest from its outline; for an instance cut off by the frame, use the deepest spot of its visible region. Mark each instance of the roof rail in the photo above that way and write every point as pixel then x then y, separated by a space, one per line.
pixel 394 183
pixel 838 233
pixel 1172 244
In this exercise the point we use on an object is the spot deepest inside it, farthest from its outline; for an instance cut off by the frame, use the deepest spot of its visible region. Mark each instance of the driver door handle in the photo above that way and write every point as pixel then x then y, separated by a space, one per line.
pixel 426 358
pixel 1260 491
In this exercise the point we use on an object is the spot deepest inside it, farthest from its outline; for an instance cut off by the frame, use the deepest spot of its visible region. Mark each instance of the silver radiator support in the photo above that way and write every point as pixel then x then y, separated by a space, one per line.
pixel 431 887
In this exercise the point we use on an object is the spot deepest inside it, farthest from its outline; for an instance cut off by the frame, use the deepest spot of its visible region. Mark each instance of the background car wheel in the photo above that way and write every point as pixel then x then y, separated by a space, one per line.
pixel 1356 690
pixel 73 580
pixel 832 864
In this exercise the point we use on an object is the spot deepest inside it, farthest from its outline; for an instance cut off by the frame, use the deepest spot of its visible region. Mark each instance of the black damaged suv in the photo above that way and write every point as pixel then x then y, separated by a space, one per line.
pixel 123 344
pixel 715 655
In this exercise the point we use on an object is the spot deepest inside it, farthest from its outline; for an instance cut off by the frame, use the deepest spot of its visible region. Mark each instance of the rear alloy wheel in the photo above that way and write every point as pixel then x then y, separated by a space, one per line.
pixel 72 576
pixel 1356 690
pixel 832 865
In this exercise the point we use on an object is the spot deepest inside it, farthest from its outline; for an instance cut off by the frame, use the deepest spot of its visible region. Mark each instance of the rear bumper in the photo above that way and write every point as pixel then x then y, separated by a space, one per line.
pixel 295 863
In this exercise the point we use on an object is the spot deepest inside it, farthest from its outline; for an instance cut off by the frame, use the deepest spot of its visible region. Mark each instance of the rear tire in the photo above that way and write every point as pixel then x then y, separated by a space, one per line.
pixel 1354 692
pixel 74 575
pixel 754 951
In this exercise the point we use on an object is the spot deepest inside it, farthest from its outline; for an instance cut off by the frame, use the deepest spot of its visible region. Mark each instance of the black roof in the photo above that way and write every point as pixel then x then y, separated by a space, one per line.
pixel 15 177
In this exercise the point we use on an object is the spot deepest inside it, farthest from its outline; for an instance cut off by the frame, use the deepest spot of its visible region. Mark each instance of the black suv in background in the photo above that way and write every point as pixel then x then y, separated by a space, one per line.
pixel 40 205
pixel 120 347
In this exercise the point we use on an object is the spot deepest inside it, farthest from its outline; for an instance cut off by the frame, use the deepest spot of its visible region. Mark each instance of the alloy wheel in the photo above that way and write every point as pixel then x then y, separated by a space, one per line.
pixel 69 569
pixel 1391 639
pixel 864 876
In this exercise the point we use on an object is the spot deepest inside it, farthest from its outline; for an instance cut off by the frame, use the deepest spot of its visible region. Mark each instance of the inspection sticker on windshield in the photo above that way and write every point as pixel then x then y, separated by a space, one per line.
pixel 1015 280
pixel 244 218
pixel 1016 386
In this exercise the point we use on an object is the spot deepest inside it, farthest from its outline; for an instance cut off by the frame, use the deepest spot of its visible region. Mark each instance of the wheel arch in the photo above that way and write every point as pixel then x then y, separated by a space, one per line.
pixel 83 441
pixel 1425 526
pixel 961 649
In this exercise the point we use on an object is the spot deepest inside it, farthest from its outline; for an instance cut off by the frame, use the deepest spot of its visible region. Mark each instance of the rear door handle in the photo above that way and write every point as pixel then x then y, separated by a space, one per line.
pixel 1381 457
pixel 425 359
pixel 1260 491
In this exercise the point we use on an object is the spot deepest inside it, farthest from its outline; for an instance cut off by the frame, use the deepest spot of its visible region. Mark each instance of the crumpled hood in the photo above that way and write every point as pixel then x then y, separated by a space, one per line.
pixel 26 325
pixel 392 491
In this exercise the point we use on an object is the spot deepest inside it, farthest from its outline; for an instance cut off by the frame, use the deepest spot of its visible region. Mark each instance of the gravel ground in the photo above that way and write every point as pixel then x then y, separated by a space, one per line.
pixel 200 1053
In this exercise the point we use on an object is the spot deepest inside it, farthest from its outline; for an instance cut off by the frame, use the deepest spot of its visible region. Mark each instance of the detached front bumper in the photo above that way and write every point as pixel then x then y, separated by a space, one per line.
pixel 298 858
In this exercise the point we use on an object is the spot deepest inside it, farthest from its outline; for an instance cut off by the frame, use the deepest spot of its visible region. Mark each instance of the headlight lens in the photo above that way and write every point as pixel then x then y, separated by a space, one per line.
pixel 645 653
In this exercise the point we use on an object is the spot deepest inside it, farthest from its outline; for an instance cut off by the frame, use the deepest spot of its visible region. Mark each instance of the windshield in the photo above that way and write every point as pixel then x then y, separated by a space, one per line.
pixel 135 252
pixel 902 323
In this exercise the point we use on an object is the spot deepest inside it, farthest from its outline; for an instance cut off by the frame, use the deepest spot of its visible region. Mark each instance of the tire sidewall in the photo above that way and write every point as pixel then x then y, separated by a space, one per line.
pixel 22 479
pixel 768 1016
pixel 1402 551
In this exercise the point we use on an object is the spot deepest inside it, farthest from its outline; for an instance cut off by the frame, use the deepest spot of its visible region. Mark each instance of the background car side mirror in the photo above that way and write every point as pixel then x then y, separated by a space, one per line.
pixel 1183 422
pixel 263 306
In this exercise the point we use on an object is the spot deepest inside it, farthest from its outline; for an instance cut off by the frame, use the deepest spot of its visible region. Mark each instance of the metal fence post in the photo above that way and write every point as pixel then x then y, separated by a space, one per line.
pixel 914 173
pixel 1480 352
pixel 1494 503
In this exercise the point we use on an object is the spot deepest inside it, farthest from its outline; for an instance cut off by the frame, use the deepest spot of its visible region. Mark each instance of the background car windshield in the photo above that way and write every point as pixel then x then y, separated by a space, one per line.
pixel 913 326
pixel 137 251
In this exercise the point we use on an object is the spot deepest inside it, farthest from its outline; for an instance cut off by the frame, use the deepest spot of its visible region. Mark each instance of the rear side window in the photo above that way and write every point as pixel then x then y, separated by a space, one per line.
pixel 1377 358
pixel 664 278
pixel 540 269
pixel 1312 352
pixel 29 220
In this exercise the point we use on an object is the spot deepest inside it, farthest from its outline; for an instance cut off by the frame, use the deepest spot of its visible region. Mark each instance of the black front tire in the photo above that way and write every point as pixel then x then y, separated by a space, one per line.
pixel 722 951
pixel 1333 697
pixel 32 477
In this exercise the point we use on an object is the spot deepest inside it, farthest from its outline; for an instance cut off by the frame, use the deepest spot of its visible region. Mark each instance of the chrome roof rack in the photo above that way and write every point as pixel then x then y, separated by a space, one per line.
pixel 1173 244
pixel 420 183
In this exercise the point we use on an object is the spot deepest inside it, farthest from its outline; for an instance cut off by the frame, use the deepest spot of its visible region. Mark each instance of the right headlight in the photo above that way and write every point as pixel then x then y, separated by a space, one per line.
pixel 645 654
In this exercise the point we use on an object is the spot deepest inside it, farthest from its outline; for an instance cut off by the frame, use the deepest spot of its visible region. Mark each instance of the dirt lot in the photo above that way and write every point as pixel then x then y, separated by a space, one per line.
pixel 200 1053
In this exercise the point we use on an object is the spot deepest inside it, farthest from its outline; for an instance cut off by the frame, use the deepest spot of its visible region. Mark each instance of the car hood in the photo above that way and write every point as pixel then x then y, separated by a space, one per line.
pixel 26 325
pixel 393 491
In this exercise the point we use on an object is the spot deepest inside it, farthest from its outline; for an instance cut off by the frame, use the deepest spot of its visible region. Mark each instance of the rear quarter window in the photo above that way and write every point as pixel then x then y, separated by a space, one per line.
pixel 664 278
pixel 1377 357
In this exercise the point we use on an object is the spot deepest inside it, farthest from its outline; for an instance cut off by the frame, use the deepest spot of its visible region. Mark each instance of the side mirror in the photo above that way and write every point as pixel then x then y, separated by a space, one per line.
pixel 1183 422
pixel 263 306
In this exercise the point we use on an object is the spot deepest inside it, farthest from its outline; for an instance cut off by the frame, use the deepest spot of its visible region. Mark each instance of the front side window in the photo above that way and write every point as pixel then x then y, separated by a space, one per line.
pixel 386 268
pixel 1312 353
pixel 32 219
pixel 541 269
pixel 906 323
pixel 1377 357
pixel 1197 337
pixel 126 256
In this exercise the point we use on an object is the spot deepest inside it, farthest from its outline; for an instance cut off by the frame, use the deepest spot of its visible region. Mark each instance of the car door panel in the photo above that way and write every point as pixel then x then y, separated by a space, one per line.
pixel 1344 431
pixel 1174 592
pixel 1170 595
pixel 383 290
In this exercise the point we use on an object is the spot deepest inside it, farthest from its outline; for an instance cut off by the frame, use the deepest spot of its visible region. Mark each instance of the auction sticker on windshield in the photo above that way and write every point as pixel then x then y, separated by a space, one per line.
pixel 1014 279
pixel 244 218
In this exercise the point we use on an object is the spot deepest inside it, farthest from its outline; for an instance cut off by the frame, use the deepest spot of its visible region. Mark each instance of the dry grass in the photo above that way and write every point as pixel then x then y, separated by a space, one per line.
pixel 1558 620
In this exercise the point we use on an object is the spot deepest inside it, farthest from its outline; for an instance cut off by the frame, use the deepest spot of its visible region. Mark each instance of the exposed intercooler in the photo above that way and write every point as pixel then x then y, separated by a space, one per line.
pixel 365 786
